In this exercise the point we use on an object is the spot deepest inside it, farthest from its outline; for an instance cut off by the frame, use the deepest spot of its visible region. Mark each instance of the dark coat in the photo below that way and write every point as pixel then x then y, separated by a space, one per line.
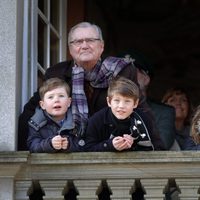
pixel 165 121
pixel 190 144
pixel 63 70
pixel 103 127
pixel 42 128
pixel 182 136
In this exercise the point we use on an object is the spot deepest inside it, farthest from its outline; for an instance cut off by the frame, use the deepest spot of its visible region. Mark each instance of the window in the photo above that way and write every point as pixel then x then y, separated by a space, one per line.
pixel 51 30
pixel 44 41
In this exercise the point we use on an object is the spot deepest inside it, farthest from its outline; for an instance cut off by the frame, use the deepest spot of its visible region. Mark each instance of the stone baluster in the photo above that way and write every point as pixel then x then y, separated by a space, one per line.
pixel 154 188
pixel 121 188
pixel 21 190
pixel 189 188
pixel 6 188
pixel 53 189
pixel 87 189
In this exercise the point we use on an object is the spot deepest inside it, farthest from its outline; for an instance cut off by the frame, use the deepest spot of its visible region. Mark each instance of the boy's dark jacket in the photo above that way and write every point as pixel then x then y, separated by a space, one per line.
pixel 103 126
pixel 63 70
pixel 42 128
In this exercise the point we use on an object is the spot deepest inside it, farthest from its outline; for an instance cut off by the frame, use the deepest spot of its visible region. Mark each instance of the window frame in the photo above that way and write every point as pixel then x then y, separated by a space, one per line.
pixel 30 64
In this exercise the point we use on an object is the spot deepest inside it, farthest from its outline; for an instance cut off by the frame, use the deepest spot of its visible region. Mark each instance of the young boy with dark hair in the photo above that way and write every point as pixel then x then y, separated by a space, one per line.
pixel 51 127
pixel 120 126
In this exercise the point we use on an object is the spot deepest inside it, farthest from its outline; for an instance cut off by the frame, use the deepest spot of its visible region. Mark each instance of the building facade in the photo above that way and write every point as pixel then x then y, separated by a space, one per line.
pixel 32 37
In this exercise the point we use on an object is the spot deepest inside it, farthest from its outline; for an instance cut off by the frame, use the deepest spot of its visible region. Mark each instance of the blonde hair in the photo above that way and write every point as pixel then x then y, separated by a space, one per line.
pixel 195 126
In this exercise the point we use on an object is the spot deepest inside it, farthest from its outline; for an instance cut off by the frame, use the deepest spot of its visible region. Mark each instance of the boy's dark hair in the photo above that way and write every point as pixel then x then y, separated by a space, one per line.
pixel 124 87
pixel 51 84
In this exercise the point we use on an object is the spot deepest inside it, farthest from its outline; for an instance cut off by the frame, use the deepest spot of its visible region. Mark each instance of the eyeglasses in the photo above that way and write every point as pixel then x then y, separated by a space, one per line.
pixel 89 41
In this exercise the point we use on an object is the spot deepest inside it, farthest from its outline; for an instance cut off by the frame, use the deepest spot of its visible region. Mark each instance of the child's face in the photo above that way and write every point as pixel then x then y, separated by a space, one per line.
pixel 121 106
pixel 56 103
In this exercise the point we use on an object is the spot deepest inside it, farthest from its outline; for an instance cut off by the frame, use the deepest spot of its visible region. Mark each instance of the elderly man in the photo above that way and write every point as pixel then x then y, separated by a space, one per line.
pixel 88 75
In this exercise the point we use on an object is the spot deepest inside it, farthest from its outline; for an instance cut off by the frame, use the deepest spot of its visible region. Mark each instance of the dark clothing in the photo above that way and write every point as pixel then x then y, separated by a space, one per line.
pixel 164 118
pixel 61 70
pixel 190 144
pixel 42 128
pixel 181 137
pixel 103 126
pixel 97 101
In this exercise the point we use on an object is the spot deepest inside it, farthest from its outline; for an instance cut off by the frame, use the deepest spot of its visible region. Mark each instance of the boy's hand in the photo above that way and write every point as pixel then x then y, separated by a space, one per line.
pixel 121 143
pixel 65 143
pixel 129 139
pixel 57 142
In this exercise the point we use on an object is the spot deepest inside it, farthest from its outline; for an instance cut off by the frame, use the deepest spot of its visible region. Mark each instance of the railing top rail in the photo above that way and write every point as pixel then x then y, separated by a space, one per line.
pixel 101 157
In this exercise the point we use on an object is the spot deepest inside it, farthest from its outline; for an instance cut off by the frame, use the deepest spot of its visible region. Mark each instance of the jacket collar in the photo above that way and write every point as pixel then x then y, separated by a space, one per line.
pixel 40 119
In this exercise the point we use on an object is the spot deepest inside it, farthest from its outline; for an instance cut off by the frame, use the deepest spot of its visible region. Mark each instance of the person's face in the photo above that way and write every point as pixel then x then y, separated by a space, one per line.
pixel 87 51
pixel 121 106
pixel 56 103
pixel 143 79
pixel 181 105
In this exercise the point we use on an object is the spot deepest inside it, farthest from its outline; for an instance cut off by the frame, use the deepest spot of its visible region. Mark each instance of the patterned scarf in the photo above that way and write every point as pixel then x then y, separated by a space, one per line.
pixel 99 77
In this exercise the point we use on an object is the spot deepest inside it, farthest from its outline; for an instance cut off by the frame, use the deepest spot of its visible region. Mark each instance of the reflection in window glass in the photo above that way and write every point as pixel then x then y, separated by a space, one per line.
pixel 42 5
pixel 40 78
pixel 54 48
pixel 42 29
pixel 50 14
pixel 54 17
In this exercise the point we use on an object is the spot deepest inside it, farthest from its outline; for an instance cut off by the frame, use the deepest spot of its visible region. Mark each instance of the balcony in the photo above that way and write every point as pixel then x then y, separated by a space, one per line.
pixel 22 173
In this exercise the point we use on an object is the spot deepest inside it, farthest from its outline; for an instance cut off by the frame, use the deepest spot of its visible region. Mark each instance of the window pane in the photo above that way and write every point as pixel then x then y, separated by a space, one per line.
pixel 54 48
pixel 42 5
pixel 42 35
pixel 54 16
pixel 40 78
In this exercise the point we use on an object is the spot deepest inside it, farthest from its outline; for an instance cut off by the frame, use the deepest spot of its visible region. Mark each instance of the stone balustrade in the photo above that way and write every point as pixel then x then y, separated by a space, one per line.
pixel 22 173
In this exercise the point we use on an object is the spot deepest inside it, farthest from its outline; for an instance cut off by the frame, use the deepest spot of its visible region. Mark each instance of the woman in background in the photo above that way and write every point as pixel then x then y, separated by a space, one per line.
pixel 180 100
